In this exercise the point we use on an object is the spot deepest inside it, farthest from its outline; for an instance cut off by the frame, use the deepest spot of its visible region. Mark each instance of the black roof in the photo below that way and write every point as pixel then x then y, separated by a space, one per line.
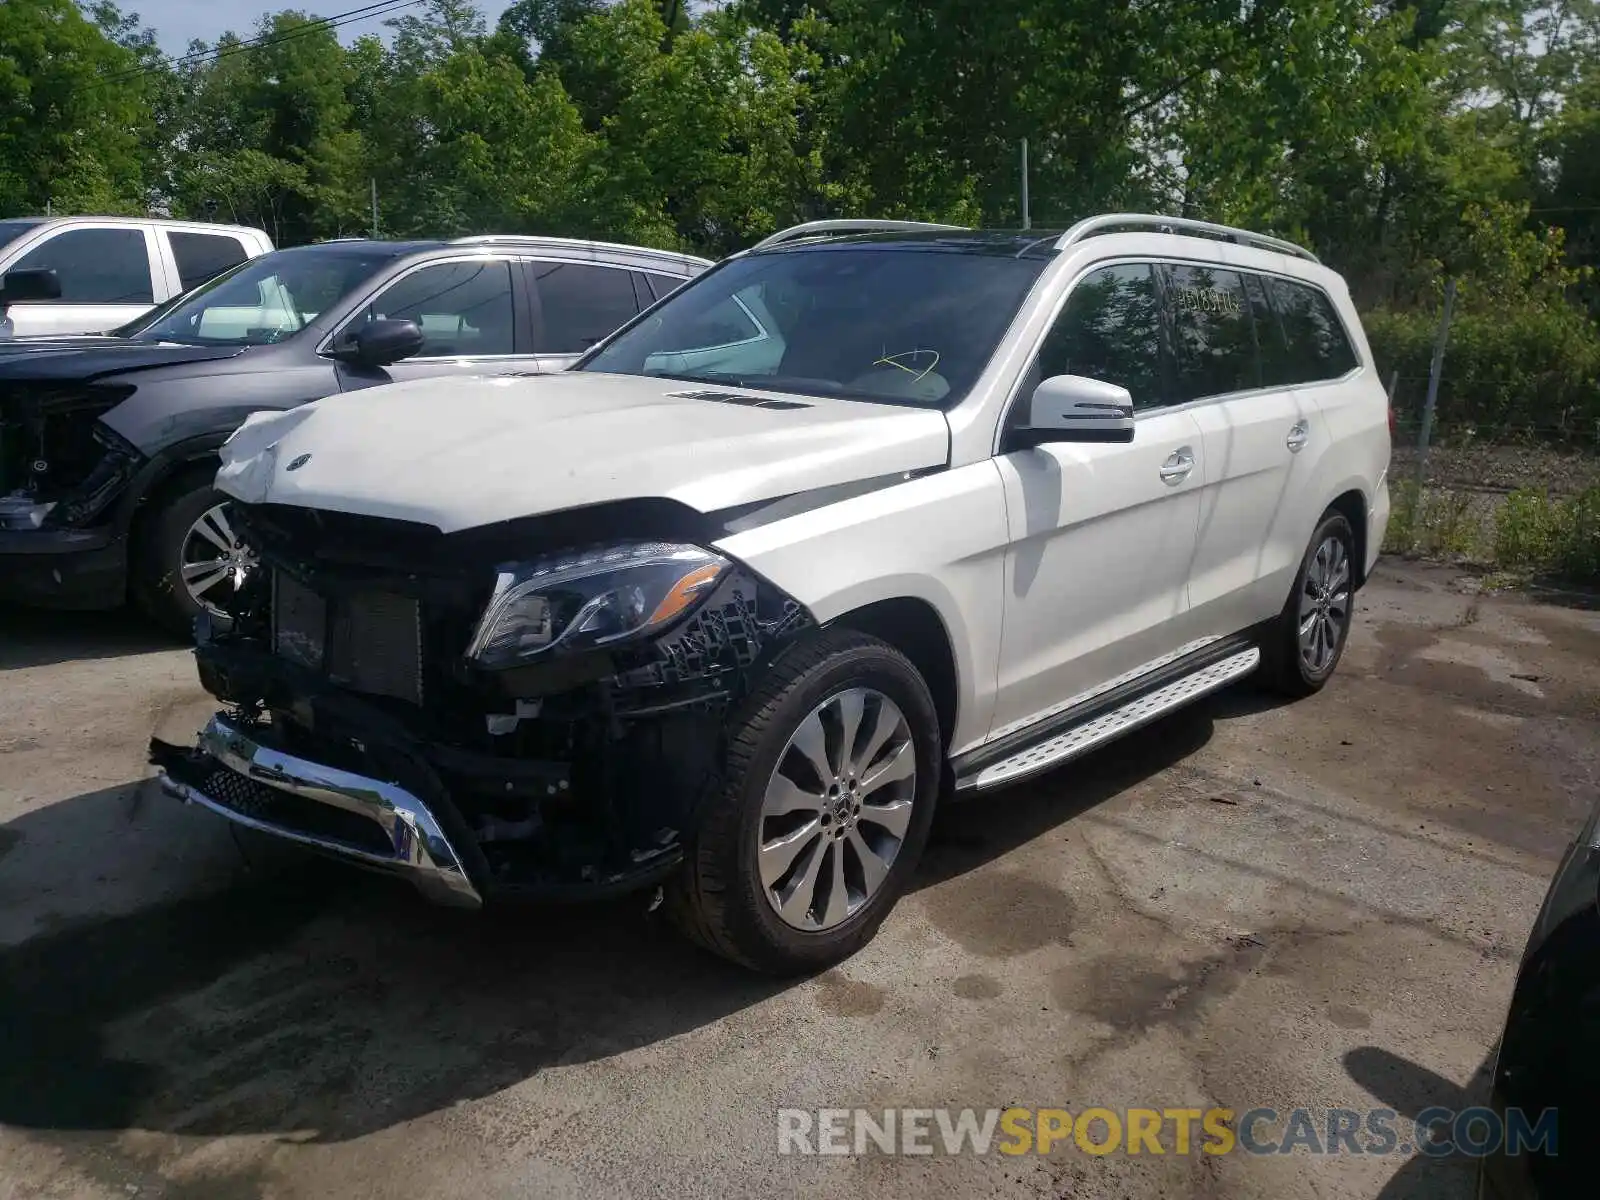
pixel 998 243
pixel 370 246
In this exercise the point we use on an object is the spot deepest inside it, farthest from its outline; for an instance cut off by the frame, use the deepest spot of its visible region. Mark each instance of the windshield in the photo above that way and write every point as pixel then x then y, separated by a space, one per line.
pixel 900 324
pixel 264 300
pixel 10 231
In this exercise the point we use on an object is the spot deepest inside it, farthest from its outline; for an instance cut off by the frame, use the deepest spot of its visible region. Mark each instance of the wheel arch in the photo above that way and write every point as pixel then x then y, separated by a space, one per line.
pixel 157 478
pixel 914 627
pixel 1352 504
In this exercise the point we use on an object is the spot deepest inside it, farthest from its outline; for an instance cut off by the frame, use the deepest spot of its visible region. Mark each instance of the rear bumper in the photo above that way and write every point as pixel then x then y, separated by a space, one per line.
pixel 237 775
pixel 64 568
pixel 1377 525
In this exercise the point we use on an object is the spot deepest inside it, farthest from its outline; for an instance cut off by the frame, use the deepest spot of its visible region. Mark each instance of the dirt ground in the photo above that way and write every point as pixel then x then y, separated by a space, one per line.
pixel 1245 905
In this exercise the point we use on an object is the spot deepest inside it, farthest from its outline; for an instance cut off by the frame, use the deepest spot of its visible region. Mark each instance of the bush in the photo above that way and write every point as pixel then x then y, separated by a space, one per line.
pixel 1527 531
pixel 1434 522
pixel 1534 533
pixel 1533 367
pixel 1579 555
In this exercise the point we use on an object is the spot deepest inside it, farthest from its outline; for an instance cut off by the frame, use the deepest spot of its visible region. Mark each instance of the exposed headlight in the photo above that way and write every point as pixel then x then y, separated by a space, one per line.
pixel 578 602
pixel 19 511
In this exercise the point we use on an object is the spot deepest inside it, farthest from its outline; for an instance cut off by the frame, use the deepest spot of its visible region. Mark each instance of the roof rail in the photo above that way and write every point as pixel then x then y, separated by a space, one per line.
pixel 513 239
pixel 837 227
pixel 1115 222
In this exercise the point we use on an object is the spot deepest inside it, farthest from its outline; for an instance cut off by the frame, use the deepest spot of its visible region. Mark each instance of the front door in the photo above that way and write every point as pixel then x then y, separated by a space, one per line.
pixel 1102 537
pixel 105 280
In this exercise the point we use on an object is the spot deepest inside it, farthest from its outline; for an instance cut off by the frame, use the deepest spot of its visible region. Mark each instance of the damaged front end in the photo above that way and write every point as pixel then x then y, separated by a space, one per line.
pixel 60 465
pixel 491 713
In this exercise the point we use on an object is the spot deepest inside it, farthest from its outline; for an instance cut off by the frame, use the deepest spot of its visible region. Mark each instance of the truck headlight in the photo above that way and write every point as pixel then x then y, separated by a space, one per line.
pixel 596 599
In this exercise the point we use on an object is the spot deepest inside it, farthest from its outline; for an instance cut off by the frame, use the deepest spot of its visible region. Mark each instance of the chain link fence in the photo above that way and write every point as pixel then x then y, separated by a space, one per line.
pixel 1522 500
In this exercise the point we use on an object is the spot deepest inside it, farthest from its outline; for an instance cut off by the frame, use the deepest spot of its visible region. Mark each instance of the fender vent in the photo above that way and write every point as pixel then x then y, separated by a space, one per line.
pixel 744 401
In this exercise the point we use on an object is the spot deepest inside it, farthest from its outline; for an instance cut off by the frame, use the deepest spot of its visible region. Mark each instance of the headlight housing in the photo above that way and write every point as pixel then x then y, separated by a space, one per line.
pixel 584 601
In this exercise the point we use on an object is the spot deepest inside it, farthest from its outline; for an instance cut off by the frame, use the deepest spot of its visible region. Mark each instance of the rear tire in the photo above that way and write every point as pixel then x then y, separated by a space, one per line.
pixel 1304 644
pixel 758 882
pixel 173 535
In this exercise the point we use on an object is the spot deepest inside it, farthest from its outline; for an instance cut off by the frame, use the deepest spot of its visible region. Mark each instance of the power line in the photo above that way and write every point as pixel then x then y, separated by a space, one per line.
pixel 382 8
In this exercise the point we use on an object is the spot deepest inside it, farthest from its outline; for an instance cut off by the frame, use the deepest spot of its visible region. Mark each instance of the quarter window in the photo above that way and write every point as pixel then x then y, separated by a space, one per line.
pixel 581 304
pixel 1214 339
pixel 463 308
pixel 1317 346
pixel 1109 329
pixel 96 266
pixel 203 255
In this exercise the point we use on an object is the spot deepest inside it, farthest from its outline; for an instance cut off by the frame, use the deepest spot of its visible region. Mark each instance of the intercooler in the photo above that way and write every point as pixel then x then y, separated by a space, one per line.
pixel 369 642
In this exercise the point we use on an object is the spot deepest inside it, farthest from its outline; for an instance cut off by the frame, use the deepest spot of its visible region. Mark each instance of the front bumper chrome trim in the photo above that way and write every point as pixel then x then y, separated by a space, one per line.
pixel 421 851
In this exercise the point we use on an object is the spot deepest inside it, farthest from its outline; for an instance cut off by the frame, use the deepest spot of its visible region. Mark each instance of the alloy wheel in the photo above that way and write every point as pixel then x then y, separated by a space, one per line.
pixel 213 562
pixel 1324 605
pixel 837 808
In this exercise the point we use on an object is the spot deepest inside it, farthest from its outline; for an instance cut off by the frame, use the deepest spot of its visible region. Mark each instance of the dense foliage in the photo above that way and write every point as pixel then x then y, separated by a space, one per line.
pixel 1405 140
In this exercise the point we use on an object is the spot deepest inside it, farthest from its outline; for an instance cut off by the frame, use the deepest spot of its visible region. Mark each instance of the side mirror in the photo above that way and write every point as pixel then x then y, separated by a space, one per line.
pixel 28 285
pixel 1071 408
pixel 379 343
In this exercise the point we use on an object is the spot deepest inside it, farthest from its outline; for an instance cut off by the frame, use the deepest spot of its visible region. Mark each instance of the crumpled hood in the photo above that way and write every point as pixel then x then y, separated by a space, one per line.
pixel 460 453
pixel 93 357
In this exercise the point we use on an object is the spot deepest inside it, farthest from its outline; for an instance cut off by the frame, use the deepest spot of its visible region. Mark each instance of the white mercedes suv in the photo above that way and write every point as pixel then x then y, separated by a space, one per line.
pixel 866 519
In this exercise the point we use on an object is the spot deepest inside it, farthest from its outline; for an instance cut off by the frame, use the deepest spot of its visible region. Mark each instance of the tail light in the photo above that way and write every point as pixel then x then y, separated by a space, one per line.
pixel 1391 421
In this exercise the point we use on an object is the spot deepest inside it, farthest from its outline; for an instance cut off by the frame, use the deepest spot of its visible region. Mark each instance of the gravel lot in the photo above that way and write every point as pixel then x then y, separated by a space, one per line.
pixel 1247 904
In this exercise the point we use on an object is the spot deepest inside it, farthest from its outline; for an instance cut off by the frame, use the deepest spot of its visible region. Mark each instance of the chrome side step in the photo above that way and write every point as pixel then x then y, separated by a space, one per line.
pixel 1102 728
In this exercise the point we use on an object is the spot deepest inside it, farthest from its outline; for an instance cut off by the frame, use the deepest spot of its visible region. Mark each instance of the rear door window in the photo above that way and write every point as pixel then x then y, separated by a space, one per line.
pixel 95 266
pixel 1213 332
pixel 580 304
pixel 663 285
pixel 1318 348
pixel 200 256
pixel 1277 370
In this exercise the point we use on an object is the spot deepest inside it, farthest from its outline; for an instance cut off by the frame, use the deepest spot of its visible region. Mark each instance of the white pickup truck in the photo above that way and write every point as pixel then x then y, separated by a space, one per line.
pixel 67 275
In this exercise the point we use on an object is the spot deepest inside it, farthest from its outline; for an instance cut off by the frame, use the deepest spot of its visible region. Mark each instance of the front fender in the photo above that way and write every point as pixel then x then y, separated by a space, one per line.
pixel 940 539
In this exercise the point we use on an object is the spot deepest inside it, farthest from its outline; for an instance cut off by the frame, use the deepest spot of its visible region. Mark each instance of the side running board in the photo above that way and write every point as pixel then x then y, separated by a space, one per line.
pixel 1110 723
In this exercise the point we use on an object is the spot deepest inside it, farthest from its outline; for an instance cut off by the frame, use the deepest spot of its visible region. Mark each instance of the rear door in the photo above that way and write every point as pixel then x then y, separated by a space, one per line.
pixel 197 257
pixel 106 276
pixel 575 305
pixel 470 313
pixel 1263 438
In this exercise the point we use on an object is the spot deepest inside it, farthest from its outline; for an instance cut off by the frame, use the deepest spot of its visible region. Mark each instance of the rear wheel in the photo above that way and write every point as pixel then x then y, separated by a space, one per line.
pixel 823 809
pixel 1306 642
pixel 190 558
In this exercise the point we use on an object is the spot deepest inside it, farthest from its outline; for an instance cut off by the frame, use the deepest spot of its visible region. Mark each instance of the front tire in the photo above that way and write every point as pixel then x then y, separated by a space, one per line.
pixel 822 811
pixel 189 558
pixel 1304 644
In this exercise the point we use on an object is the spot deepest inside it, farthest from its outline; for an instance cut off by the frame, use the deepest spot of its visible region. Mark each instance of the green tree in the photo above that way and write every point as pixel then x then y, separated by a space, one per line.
pixel 73 108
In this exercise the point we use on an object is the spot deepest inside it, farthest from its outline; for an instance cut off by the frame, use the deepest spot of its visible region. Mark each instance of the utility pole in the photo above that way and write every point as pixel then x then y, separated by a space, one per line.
pixel 1435 370
pixel 1027 220
pixel 374 208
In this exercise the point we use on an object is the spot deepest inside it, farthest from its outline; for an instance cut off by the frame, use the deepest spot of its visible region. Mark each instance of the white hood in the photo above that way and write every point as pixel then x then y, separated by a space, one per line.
pixel 459 453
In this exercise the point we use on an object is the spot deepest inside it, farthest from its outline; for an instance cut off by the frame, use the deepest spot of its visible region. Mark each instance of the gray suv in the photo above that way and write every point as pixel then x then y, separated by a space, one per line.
pixel 108 443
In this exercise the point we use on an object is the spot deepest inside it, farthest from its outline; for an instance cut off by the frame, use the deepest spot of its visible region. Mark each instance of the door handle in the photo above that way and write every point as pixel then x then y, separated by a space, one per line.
pixel 1299 435
pixel 1178 465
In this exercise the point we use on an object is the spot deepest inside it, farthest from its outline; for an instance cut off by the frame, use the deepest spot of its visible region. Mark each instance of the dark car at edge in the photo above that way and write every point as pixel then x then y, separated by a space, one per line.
pixel 108 443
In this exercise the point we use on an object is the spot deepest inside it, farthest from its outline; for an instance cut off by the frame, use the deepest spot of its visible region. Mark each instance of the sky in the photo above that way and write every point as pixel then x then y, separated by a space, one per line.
pixel 178 21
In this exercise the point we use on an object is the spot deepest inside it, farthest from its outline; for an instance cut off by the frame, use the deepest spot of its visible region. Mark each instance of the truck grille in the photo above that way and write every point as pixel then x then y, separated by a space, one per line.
pixel 369 642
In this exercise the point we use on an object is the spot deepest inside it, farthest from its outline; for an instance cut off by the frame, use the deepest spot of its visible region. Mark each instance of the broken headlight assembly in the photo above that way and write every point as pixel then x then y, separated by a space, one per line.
pixel 592 600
